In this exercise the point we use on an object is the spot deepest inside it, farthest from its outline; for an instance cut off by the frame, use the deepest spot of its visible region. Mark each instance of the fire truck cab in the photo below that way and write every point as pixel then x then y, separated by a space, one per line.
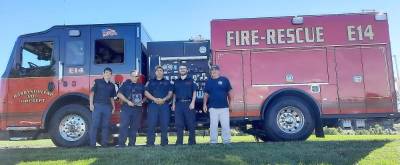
pixel 46 84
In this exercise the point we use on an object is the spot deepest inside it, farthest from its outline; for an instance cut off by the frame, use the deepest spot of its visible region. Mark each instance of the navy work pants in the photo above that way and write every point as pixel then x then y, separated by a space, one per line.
pixel 100 120
pixel 185 116
pixel 157 113
pixel 129 125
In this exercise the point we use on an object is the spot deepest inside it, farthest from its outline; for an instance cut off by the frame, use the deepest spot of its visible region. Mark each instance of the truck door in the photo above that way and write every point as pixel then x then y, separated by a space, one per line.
pixel 75 55
pixel 33 82
pixel 231 66
pixel 114 47
pixel 350 79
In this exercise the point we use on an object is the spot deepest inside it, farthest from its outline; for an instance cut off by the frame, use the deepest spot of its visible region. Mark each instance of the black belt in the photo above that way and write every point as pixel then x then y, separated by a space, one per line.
pixel 183 100
pixel 166 102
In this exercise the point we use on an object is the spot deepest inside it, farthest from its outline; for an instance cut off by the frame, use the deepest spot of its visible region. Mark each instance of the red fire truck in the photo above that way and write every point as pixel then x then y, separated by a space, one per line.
pixel 290 75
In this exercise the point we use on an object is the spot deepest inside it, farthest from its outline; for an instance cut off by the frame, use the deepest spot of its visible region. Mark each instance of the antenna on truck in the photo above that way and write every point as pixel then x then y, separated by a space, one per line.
pixel 65 10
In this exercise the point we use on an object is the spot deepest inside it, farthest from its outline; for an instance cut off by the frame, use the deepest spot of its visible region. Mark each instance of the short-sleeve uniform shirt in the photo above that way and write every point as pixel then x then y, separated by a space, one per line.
pixel 158 88
pixel 218 91
pixel 133 92
pixel 184 89
pixel 103 91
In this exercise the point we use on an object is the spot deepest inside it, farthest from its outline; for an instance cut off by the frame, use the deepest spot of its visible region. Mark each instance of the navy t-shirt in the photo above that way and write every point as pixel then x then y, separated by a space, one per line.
pixel 218 91
pixel 133 92
pixel 103 91
pixel 184 89
pixel 158 88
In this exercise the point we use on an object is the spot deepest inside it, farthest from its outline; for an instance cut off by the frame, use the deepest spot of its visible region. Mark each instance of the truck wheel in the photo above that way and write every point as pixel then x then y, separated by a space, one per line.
pixel 289 118
pixel 69 127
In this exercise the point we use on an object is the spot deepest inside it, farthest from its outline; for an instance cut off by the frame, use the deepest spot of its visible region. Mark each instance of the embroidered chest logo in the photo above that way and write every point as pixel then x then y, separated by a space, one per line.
pixel 219 82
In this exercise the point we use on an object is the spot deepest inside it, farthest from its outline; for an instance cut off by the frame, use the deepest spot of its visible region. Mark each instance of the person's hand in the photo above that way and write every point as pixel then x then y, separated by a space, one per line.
pixel 112 111
pixel 161 101
pixel 191 106
pixel 205 109
pixel 157 101
pixel 173 107
pixel 140 103
pixel 91 107
pixel 130 103
pixel 230 107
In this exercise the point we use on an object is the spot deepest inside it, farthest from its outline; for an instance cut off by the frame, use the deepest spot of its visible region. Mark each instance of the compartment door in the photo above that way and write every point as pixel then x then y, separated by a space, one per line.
pixel 350 79
pixel 231 66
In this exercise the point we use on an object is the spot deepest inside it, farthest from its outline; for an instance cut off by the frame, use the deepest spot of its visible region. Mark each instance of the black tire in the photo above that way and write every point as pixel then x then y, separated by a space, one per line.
pixel 69 112
pixel 289 105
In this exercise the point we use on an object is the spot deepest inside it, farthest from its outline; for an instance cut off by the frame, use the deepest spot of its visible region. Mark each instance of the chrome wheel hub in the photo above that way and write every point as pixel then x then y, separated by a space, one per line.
pixel 290 119
pixel 72 127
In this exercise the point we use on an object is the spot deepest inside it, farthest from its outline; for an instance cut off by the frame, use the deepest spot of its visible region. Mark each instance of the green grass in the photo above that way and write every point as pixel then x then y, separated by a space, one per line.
pixel 334 149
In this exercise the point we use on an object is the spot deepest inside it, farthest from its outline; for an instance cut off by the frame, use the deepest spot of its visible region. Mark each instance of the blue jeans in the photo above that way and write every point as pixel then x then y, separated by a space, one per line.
pixel 129 124
pixel 185 116
pixel 100 119
pixel 157 113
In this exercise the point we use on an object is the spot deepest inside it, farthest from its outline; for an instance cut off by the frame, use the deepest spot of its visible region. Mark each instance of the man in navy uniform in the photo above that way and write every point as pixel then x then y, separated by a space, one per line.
pixel 132 95
pixel 183 105
pixel 102 106
pixel 158 91
pixel 217 99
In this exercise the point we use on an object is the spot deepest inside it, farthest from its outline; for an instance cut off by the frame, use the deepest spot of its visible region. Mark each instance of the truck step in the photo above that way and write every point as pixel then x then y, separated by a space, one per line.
pixel 20 138
pixel 23 135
